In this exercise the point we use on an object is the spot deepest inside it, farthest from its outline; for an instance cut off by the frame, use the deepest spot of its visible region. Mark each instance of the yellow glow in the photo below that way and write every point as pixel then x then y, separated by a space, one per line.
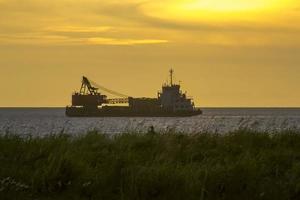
pixel 216 10
pixel 230 5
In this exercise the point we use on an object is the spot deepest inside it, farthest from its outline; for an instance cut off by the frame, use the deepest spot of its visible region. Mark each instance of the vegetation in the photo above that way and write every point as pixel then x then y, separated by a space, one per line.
pixel 240 165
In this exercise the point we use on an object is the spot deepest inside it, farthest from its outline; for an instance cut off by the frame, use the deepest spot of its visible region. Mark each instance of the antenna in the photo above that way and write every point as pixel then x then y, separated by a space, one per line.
pixel 171 76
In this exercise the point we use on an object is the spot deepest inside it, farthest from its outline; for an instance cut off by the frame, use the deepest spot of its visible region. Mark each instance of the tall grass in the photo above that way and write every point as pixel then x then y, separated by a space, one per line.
pixel 239 165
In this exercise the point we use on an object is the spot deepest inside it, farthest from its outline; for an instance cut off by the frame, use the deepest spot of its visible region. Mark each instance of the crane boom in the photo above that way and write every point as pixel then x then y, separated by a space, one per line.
pixel 109 90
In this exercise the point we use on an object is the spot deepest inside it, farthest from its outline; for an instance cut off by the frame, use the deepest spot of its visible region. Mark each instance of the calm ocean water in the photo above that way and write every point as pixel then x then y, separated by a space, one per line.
pixel 42 121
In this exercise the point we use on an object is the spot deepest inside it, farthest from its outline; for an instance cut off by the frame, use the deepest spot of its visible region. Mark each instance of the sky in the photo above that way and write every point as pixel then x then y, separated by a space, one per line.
pixel 225 53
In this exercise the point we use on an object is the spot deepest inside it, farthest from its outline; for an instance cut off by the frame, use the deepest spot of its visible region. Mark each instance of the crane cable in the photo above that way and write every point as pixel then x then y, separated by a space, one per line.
pixel 108 90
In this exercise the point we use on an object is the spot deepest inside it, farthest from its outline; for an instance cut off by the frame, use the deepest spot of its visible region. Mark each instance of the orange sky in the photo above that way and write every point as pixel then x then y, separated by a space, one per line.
pixel 225 52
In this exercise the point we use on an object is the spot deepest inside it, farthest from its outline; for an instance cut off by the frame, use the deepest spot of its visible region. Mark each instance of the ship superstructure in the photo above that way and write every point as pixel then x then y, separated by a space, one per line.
pixel 170 102
pixel 172 98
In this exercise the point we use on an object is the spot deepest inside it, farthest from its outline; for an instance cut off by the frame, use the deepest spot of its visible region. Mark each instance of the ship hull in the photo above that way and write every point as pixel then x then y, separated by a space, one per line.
pixel 99 112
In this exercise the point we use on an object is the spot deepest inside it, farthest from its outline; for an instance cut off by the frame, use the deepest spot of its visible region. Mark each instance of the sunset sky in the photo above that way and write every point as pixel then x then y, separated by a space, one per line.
pixel 224 52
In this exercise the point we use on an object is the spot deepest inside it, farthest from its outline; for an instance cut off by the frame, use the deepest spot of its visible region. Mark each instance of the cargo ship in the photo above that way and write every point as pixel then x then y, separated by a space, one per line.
pixel 170 102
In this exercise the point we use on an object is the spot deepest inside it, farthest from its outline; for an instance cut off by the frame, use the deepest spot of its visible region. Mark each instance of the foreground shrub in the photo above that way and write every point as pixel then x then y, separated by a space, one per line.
pixel 239 165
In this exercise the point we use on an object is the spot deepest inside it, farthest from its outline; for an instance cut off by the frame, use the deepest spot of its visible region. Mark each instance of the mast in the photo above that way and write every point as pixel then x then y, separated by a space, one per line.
pixel 171 76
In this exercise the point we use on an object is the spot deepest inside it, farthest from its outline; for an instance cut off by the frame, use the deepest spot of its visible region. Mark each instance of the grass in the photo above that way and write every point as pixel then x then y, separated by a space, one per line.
pixel 239 165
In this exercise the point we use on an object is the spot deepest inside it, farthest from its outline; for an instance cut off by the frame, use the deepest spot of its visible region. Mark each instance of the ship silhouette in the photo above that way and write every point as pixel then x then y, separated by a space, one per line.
pixel 170 102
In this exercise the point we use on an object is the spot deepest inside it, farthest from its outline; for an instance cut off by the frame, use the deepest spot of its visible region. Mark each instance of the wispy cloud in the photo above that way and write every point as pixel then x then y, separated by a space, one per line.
pixel 80 29
pixel 114 41
pixel 38 39
pixel 44 39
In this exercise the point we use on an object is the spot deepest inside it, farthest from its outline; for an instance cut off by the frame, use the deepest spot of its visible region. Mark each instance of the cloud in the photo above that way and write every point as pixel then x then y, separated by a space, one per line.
pixel 64 25
pixel 46 39
pixel 132 22
pixel 153 13
pixel 114 41
pixel 37 39
pixel 80 29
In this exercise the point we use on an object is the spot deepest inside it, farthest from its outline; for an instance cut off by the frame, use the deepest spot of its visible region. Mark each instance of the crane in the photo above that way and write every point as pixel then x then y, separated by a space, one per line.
pixel 89 87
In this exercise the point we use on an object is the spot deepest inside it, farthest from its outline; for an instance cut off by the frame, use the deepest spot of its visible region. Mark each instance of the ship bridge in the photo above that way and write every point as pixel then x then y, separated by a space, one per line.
pixel 172 98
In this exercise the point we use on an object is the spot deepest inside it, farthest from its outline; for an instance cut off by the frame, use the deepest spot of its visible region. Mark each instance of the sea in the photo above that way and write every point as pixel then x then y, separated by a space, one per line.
pixel 45 121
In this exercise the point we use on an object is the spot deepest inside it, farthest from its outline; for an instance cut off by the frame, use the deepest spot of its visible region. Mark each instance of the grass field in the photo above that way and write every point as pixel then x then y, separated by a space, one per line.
pixel 240 165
